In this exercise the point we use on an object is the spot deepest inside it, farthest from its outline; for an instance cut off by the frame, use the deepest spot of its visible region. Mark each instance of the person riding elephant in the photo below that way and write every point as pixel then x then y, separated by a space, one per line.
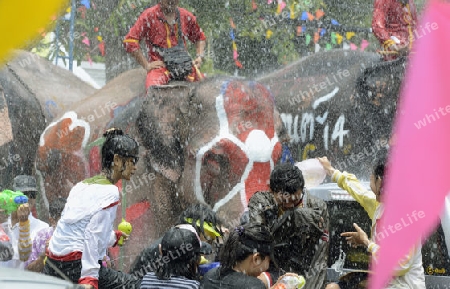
pixel 393 24
pixel 160 27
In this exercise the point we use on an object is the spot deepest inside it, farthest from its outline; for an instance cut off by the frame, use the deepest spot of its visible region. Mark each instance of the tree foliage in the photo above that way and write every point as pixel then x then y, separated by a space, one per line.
pixel 264 36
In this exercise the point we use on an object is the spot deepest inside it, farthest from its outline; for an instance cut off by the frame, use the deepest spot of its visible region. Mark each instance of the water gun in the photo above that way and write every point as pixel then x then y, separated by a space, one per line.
pixel 10 201
pixel 126 228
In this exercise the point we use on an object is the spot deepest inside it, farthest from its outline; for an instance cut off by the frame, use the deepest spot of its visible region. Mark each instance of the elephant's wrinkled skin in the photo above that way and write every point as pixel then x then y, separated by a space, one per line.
pixel 335 104
pixel 32 91
pixel 214 141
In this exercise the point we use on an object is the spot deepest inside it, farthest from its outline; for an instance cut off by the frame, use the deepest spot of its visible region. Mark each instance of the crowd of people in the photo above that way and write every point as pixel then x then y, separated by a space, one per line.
pixel 283 232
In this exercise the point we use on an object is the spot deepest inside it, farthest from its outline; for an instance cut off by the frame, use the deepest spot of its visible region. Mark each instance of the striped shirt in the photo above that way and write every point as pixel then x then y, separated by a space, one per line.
pixel 150 281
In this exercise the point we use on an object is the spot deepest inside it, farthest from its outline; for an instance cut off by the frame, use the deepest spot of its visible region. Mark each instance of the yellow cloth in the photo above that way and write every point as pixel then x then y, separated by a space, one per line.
pixel 21 21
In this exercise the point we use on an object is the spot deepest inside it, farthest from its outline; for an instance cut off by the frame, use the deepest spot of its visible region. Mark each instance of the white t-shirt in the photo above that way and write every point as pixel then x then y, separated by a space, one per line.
pixel 86 225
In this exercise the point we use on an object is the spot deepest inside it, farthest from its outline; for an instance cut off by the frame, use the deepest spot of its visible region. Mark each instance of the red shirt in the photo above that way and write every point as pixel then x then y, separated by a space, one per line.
pixel 152 27
pixel 392 18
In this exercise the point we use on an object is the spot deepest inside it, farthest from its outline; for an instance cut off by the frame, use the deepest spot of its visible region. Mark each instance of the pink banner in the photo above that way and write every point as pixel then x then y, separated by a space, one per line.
pixel 417 181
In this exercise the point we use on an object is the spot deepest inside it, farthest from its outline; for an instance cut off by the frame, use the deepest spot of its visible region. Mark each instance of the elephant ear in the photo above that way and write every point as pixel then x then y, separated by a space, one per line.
pixel 21 21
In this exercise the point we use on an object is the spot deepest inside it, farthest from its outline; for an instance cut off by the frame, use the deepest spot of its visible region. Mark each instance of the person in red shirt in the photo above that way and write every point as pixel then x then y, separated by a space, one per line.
pixel 158 26
pixel 393 24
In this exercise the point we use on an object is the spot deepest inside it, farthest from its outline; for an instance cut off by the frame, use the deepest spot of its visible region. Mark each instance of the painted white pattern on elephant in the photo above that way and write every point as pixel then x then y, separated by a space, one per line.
pixel 75 122
pixel 257 147
pixel 57 135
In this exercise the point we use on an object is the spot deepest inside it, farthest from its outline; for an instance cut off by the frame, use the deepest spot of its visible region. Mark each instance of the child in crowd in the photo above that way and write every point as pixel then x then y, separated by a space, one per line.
pixel 178 265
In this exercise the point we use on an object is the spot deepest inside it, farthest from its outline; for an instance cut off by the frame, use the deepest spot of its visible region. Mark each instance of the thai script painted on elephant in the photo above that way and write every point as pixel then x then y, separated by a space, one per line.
pixel 299 134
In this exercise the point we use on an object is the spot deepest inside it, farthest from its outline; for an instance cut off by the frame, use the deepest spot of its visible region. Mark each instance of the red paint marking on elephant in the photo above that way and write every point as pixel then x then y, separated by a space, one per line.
pixel 137 210
pixel 95 164
pixel 211 173
pixel 252 106
pixel 137 215
pixel 60 157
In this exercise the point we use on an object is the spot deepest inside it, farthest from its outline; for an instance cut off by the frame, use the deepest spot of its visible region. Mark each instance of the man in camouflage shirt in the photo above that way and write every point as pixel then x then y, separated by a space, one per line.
pixel 298 222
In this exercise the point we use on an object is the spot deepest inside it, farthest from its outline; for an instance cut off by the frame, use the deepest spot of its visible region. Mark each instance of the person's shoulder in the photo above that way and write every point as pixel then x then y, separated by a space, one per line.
pixel 262 197
pixel 185 13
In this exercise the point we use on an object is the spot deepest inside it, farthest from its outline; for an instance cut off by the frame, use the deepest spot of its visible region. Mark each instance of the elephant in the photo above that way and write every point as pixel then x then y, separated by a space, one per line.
pixel 216 141
pixel 199 143
pixel 32 92
pixel 339 104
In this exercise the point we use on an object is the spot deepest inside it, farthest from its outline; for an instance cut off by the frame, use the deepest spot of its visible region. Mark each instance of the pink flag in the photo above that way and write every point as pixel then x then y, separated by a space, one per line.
pixel 281 4
pixel 86 41
pixel 353 46
pixel 364 44
pixel 235 54
pixel 417 182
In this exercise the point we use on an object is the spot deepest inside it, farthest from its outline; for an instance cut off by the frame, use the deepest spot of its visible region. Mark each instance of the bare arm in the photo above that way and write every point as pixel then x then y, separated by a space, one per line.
pixel 140 58
pixel 200 49
pixel 37 265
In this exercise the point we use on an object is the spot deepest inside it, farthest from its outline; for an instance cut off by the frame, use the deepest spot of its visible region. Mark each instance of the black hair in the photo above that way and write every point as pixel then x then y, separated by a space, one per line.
pixel 175 261
pixel 243 241
pixel 380 163
pixel 286 178
pixel 117 143
pixel 202 213
pixel 56 207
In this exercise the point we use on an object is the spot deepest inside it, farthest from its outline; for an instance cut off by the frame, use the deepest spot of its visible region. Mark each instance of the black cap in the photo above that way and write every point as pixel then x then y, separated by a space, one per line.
pixel 183 242
pixel 25 183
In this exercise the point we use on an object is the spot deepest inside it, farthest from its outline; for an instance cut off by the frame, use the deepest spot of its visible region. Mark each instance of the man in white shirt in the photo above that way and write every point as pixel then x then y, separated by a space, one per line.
pixel 21 226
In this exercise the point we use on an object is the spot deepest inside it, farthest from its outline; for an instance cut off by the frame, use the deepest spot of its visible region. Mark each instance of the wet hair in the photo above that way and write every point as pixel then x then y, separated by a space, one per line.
pixel 197 214
pixel 177 259
pixel 380 163
pixel 56 208
pixel 286 178
pixel 117 143
pixel 244 241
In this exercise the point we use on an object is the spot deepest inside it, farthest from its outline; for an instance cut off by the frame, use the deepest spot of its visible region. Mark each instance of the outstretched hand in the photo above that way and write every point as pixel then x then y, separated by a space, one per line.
pixel 356 238
pixel 326 165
